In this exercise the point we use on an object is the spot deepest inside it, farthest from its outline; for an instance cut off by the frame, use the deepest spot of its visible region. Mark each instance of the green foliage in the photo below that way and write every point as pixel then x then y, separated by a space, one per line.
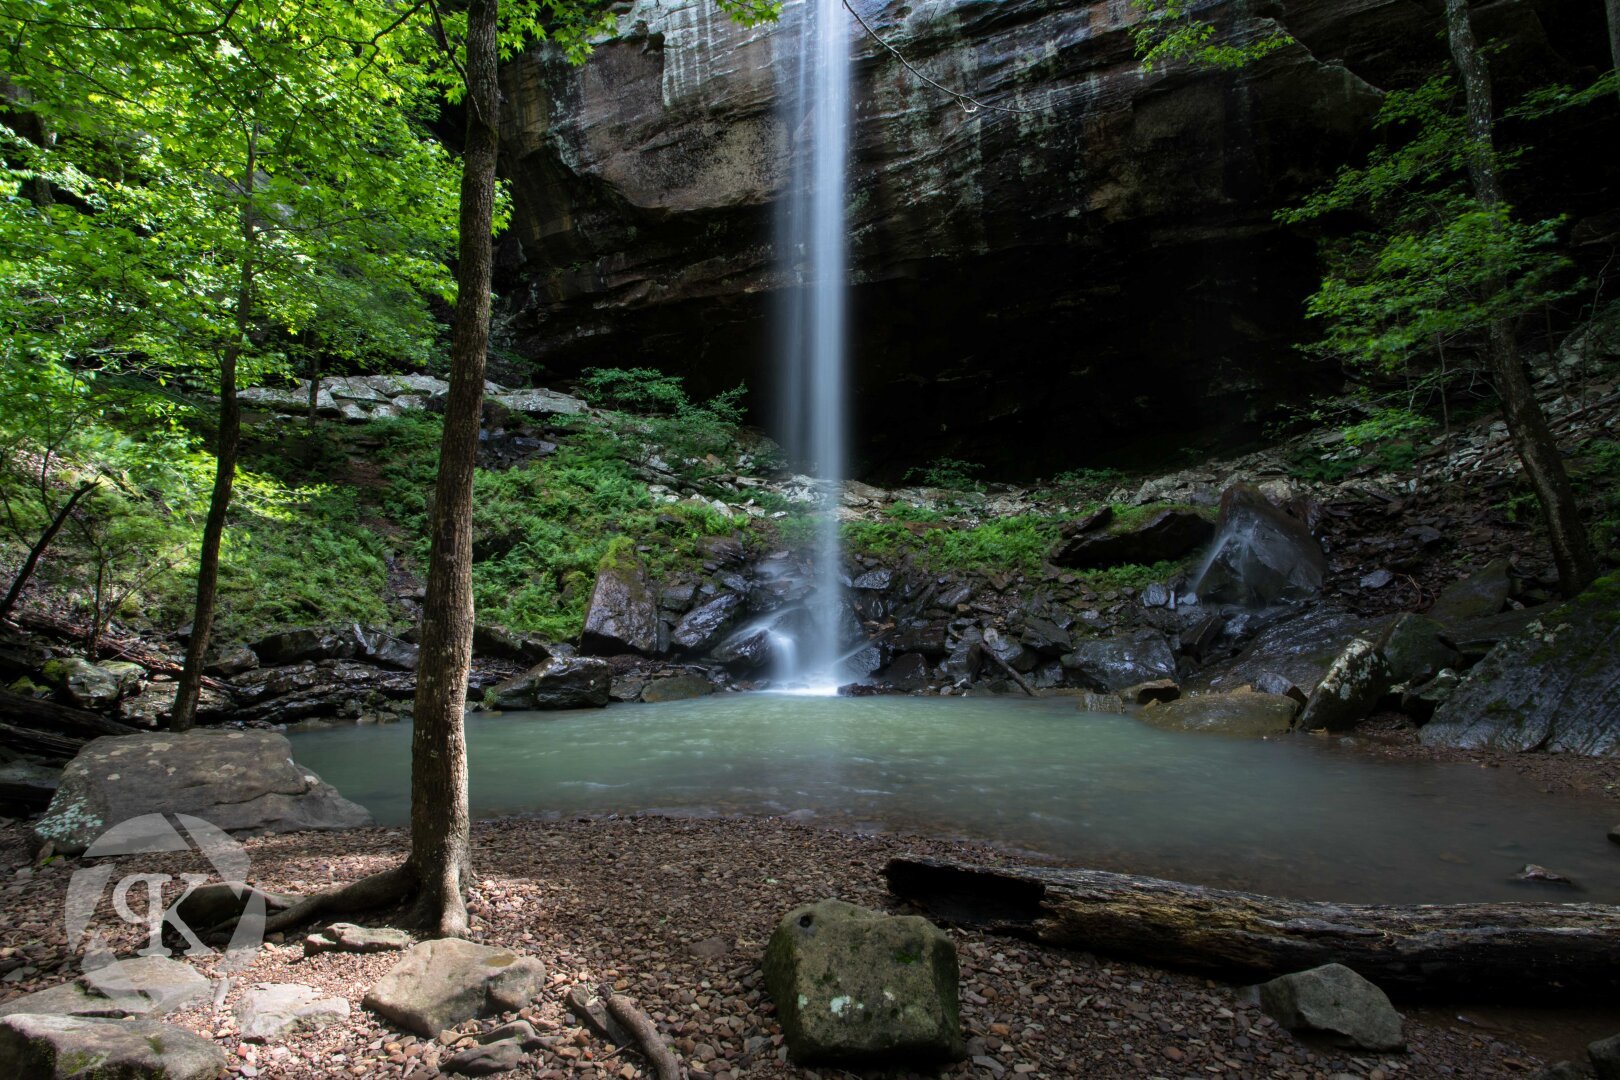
pixel 1168 31
pixel 1595 472
pixel 1021 543
pixel 636 390
pixel 1083 485
pixel 654 409
pixel 1130 575
pixel 950 473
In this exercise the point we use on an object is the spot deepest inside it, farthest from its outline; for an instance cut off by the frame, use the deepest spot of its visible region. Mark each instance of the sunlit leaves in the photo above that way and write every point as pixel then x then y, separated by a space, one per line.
pixel 1169 30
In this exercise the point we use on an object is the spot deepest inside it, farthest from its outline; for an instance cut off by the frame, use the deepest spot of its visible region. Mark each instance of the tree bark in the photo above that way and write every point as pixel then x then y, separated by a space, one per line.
pixel 1613 9
pixel 38 550
pixel 184 713
pixel 440 840
pixel 1482 952
pixel 1527 425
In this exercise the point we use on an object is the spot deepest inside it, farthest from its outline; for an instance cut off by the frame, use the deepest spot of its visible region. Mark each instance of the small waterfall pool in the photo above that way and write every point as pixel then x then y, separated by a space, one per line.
pixel 1295 816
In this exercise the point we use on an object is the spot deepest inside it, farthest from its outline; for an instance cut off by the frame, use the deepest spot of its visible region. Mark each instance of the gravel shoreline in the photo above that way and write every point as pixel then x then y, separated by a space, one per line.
pixel 676 913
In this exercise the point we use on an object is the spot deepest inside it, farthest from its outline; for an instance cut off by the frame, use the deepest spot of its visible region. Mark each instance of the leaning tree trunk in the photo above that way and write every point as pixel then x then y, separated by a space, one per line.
pixel 36 552
pixel 440 842
pixel 1481 952
pixel 184 713
pixel 1532 438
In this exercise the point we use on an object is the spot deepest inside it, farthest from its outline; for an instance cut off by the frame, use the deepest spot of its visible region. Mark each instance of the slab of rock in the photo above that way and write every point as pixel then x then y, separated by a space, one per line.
pixel 676 688
pixel 1554 687
pixel 270 1010
pixel 702 626
pixel 538 402
pixel 240 781
pixel 1168 534
pixel 855 986
pixel 439 984
pixel 1260 556
pixel 622 615
pixel 1482 593
pixel 80 1046
pixel 1334 1001
pixel 148 986
pixel 1113 664
pixel 347 937
pixel 563 682
pixel 1243 713
pixel 1350 691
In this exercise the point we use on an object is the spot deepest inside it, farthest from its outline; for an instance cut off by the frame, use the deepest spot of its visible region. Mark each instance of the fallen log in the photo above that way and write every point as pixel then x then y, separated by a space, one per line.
pixel 1473 952
pixel 40 715
pixel 41 744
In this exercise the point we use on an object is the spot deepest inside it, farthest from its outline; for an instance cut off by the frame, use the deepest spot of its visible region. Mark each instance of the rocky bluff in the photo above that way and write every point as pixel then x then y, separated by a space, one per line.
pixel 1112 242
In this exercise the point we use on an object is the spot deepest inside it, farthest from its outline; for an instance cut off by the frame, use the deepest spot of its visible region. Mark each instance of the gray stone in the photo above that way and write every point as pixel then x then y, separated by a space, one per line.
pixel 1415 649
pixel 1112 664
pixel 1334 1001
pixel 439 984
pixel 1350 691
pixel 874 580
pixel 78 1046
pixel 1260 556
pixel 700 627
pixel 486 1059
pixel 1605 1055
pixel 622 615
pixel 1242 713
pixel 538 402
pixel 908 671
pixel 229 662
pixel 676 688
pixel 1271 683
pixel 1477 596
pixel 858 987
pixel 347 937
pixel 579 682
pixel 83 683
pixel 1554 687
pixel 239 781
pixel 149 986
pixel 1105 704
pixel 269 1010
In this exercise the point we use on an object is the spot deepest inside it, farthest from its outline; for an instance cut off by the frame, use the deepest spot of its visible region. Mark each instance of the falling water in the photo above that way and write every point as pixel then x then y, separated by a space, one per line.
pixel 811 237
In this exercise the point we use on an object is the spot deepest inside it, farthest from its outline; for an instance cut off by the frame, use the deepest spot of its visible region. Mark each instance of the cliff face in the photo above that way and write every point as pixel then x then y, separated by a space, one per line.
pixel 1110 250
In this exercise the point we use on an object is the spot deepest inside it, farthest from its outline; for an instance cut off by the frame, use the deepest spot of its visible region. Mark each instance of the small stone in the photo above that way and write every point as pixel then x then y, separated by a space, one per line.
pixel 1534 872
pixel 485 1060
pixel 272 1009
pixel 1377 579
pixel 347 937
pixel 1336 1001
pixel 439 984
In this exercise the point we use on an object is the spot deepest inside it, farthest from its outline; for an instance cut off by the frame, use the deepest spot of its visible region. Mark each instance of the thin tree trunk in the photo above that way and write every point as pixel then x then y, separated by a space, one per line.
pixel 186 693
pixel 1613 7
pixel 1532 438
pixel 314 385
pixel 440 842
pixel 38 550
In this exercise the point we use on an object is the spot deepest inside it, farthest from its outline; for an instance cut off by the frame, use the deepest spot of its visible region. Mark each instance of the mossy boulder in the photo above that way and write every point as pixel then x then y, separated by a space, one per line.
pixel 83 683
pixel 854 986
pixel 622 616
pixel 1350 691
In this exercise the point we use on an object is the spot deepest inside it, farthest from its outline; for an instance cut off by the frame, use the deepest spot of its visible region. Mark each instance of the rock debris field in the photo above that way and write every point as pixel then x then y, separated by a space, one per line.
pixel 676 914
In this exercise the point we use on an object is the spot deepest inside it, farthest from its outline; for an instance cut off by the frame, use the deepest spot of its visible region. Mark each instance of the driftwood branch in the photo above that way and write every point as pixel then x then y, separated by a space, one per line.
pixel 1479 952
pixel 647 1039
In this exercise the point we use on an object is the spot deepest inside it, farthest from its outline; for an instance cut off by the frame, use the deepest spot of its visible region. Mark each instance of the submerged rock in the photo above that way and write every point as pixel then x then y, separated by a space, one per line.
pixel 676 688
pixel 854 986
pixel 1239 712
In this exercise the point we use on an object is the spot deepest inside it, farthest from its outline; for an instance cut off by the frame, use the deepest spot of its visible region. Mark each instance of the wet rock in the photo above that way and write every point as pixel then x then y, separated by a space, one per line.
pixel 1260 555
pixel 627 687
pixel 1009 651
pixel 500 642
pixel 1333 1000
pixel 240 781
pixel 746 650
pixel 232 662
pixel 858 987
pixel 84 684
pixel 1482 593
pixel 149 986
pixel 702 626
pixel 1112 664
pixel 579 682
pixel 1416 650
pixel 1104 704
pixel 622 615
pixel 875 580
pixel 1605 1055
pixel 1272 683
pixel 1243 713
pixel 1300 647
pixel 63 1046
pixel 1535 873
pixel 1377 579
pixel 1555 687
pixel 270 1010
pixel 1160 690
pixel 1045 637
pixel 1168 534
pixel 347 937
pixel 931 639
pixel 439 984
pixel 1614 835
pixel 909 671
pixel 1350 691
pixel 1421 701
pixel 676 688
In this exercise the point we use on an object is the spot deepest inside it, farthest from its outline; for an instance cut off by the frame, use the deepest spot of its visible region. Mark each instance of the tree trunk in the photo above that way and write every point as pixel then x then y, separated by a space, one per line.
pixel 440 842
pixel 1613 7
pixel 1532 439
pixel 184 714
pixel 314 385
pixel 38 550
pixel 1481 952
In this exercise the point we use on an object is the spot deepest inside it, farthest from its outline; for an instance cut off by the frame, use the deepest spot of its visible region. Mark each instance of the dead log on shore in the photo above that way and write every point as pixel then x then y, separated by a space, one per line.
pixel 1474 952
pixel 51 730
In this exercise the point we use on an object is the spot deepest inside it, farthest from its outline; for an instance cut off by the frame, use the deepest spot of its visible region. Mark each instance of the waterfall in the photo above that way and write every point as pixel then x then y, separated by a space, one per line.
pixel 811 239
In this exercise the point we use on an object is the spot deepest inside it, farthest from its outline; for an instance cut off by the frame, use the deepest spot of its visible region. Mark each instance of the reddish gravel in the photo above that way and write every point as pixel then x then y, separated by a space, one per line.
pixel 676 913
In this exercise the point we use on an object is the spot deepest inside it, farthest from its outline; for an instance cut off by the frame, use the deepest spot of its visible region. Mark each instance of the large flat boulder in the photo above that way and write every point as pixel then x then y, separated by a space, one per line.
pixel 239 781
pixel 77 1046
pixel 1113 664
pixel 855 986
pixel 439 984
pixel 1555 686
pixel 149 986
pixel 269 1010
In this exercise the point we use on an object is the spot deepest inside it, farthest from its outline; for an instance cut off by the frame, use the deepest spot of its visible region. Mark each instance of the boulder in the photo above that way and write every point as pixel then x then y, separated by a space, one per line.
pixel 676 688
pixel 874 580
pixel 1168 534
pixel 538 402
pixel 239 781
pixel 1045 636
pixel 439 984
pixel 497 641
pixel 1350 691
pixel 269 1010
pixel 622 615
pixel 908 671
pixel 1416 650
pixel 1260 556
pixel 77 1046
pixel 579 682
pixel 1300 647
pixel 1010 651
pixel 1554 687
pixel 1334 1001
pixel 292 646
pixel 857 987
pixel 84 684
pixel 1479 595
pixel 226 663
pixel 1112 664
pixel 26 788
pixel 1243 713
pixel 1605 1055
pixel 700 627
pixel 149 986
pixel 1564 1070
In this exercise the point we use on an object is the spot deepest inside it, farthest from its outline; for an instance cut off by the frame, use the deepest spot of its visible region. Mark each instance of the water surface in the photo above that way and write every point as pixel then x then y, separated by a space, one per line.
pixel 1294 816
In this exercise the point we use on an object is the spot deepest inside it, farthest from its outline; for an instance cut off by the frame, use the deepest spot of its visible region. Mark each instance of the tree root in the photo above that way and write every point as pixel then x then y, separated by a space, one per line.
pixel 650 1043
pixel 384 887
